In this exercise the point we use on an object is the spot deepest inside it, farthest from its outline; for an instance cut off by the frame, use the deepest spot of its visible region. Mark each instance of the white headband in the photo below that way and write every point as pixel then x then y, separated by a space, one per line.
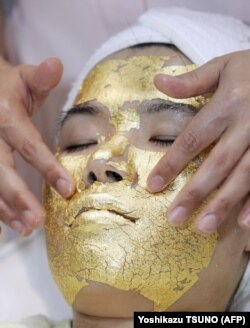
pixel 200 36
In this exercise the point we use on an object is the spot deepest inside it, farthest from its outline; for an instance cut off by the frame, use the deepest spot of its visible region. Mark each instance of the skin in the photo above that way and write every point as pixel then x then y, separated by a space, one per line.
pixel 216 283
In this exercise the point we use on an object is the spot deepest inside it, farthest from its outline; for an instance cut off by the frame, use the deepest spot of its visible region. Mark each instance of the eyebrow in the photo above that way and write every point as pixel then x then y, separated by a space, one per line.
pixel 148 106
pixel 83 109
pixel 161 105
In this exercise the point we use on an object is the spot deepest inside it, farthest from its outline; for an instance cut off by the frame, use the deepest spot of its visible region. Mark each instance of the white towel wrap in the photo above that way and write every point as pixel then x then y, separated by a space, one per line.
pixel 200 36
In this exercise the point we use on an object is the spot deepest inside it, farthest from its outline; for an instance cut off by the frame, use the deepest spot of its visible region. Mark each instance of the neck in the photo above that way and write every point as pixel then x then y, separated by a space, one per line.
pixel 86 321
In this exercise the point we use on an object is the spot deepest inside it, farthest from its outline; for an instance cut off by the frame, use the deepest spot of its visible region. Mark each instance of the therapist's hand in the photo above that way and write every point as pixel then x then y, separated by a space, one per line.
pixel 22 90
pixel 225 118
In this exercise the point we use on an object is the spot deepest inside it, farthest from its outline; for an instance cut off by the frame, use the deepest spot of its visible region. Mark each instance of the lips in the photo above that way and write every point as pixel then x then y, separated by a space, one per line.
pixel 108 203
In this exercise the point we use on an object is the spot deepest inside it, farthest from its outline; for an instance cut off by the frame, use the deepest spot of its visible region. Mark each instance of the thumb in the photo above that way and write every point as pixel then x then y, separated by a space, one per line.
pixel 199 81
pixel 42 78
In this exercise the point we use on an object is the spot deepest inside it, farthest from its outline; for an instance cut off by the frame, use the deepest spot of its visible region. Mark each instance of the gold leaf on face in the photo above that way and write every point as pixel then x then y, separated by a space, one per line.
pixel 117 233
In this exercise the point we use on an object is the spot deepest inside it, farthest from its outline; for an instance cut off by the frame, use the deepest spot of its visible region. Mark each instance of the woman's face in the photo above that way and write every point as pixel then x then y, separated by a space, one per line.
pixel 111 249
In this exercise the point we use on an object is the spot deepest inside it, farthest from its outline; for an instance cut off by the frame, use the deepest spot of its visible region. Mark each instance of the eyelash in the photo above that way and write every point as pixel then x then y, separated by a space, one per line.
pixel 162 142
pixel 75 148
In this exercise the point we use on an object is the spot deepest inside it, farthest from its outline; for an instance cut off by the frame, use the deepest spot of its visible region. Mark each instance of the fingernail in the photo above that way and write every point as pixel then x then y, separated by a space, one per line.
pixel 19 227
pixel 246 221
pixel 156 183
pixel 177 216
pixel 208 223
pixel 64 187
pixel 30 218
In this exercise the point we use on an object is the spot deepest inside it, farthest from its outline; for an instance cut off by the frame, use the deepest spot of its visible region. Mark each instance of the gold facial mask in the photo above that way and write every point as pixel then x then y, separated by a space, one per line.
pixel 118 83
pixel 117 233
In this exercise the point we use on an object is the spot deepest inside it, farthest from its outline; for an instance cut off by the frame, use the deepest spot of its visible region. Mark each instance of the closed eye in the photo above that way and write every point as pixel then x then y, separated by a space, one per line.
pixel 79 147
pixel 163 141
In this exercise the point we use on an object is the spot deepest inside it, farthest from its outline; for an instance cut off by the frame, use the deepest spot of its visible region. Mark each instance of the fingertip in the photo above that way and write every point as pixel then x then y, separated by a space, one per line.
pixel 155 183
pixel 207 224
pixel 48 74
pixel 20 228
pixel 65 187
pixel 53 64
pixel 160 81
pixel 159 77
pixel 27 232
pixel 177 216
pixel 33 218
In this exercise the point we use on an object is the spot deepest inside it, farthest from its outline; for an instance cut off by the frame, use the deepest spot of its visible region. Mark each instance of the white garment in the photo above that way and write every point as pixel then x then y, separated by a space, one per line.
pixel 26 285
pixel 36 322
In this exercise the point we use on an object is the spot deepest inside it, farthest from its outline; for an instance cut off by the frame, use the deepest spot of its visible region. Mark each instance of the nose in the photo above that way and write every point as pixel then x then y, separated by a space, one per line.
pixel 106 164
pixel 99 170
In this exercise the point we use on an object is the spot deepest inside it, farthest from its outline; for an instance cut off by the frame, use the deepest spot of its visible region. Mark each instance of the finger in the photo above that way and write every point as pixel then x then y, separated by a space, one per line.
pixel 8 214
pixel 204 129
pixel 199 81
pixel 244 217
pixel 227 197
pixel 15 193
pixel 10 218
pixel 210 175
pixel 42 78
pixel 28 142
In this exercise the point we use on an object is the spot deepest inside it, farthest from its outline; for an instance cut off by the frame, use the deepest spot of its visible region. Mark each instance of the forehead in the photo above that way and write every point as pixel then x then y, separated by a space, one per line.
pixel 116 81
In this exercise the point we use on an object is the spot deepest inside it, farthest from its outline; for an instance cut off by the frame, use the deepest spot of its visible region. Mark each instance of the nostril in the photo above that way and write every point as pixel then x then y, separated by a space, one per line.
pixel 114 176
pixel 92 177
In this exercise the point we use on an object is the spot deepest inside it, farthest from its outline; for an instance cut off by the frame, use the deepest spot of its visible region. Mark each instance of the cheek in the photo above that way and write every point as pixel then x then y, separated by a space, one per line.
pixel 55 208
